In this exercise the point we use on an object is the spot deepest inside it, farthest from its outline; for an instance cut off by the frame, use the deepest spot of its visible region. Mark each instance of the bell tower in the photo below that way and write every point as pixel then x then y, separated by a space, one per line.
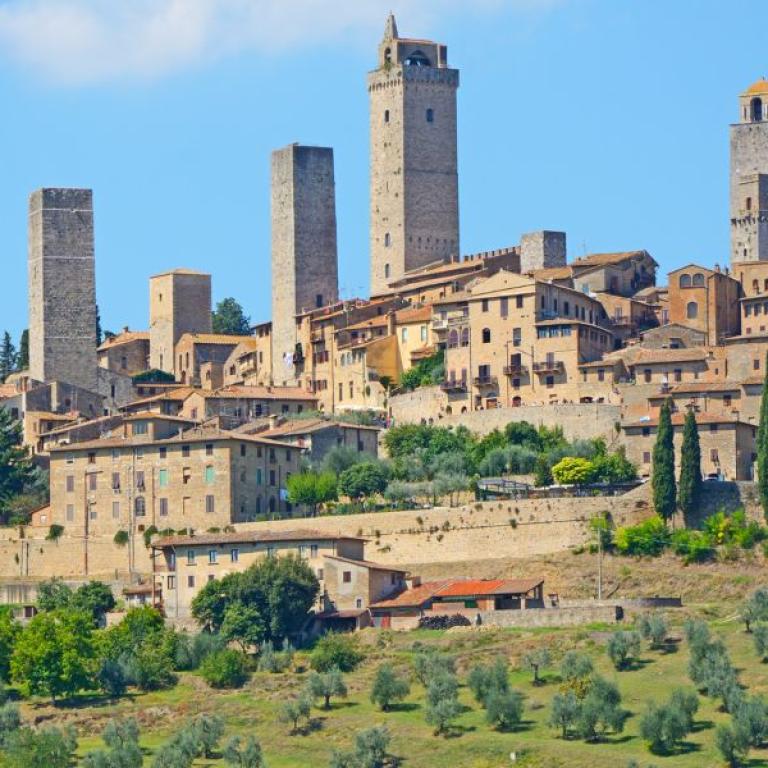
pixel 749 177
pixel 414 172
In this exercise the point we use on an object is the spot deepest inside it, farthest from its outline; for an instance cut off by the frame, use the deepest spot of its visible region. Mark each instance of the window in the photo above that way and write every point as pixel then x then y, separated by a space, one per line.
pixel 70 483
pixel 346 577
pixel 727 401
pixel 486 335
pixel 163 452
pixel 386 115
pixel 341 391
pixel 685 281
pixel 186 475
pixel 313 550
pixel 210 475
pixel 115 510
pixel 504 306
pixel 171 582
pixel 163 507
pixel 646 431
pixel 258 477
pixel 517 337
pixel 423 333
pixel 209 449
pixel 234 555
pixel 519 302
pixel 600 374
pixel 91 458
pixel 358 602
pixel 288 454
pixel 713 427
pixel 209 504
pixel 70 512
pixel 713 456
pixel 550 382
pixel 646 457
pixel 756 364
pixel 185 450
pixel 212 557
pixel 647 375
pixel 698 280
pixel 430 115
pixel 484 305
pixel 465 337
pixel 190 557
pixel 756 110
pixel 386 270
pixel 140 480
pixel 319 574
pixel 387 241
pixel 566 308
pixel 92 481
pixel 140 428
pixel 404 334
pixel 678 374
pixel 272 478
pixel 692 310
pixel 191 581
pixel 162 478
pixel 140 506
pixel 92 514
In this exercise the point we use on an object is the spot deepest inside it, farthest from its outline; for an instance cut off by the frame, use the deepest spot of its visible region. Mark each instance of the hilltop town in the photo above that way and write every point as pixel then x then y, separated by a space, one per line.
pixel 194 449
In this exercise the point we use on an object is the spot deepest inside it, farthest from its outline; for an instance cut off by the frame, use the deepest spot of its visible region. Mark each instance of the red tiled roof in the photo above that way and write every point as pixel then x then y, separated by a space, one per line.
pixel 251 537
pixel 243 392
pixel 678 419
pixel 601 259
pixel 367 564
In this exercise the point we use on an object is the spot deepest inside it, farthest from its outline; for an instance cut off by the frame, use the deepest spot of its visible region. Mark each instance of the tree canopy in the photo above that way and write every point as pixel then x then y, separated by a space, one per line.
pixel 230 319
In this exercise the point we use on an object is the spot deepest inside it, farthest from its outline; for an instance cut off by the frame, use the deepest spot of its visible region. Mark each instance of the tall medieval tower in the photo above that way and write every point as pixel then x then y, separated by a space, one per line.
pixel 62 288
pixel 304 257
pixel 414 176
pixel 749 177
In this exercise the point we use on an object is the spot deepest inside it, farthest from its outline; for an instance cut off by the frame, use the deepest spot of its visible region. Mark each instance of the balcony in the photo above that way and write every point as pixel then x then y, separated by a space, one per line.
pixel 439 324
pixel 485 381
pixel 516 370
pixel 458 320
pixel 549 367
pixel 451 385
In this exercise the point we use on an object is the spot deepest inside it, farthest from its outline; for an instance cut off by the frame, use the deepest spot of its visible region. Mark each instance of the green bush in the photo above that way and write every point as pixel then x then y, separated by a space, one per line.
pixel 692 546
pixel 651 537
pixel 225 669
pixel 336 651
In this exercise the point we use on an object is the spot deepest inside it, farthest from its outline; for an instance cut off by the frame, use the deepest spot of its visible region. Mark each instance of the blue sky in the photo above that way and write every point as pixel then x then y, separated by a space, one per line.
pixel 604 118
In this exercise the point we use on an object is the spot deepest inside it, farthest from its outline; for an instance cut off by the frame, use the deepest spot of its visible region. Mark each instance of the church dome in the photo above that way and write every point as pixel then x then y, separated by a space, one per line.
pixel 758 88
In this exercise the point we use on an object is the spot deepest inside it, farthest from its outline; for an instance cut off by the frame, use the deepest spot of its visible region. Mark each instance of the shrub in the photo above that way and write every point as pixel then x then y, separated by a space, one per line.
pixel 371 747
pixel 336 651
pixel 536 661
pixel 504 709
pixel 364 479
pixel 55 532
pixel 665 726
pixel 430 663
pixel 623 648
pixel 293 710
pixel 692 546
pixel 653 627
pixel 442 701
pixel 120 539
pixel 388 688
pixel 750 721
pixel 760 639
pixel 148 668
pixel 573 471
pixel 730 745
pixel 565 712
pixel 225 669
pixel 191 650
pixel 755 608
pixel 651 537
pixel 575 666
pixel 600 710
pixel 484 679
pixel 10 722
pixel 250 756
pixel 207 731
pixel 325 685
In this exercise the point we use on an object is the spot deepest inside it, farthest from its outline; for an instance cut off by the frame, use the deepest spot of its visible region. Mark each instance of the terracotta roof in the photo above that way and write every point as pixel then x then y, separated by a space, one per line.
pixel 423 352
pixel 651 356
pixel 759 87
pixel 251 537
pixel 138 589
pixel 245 392
pixel 705 386
pixel 679 418
pixel 751 381
pixel 305 426
pixel 180 394
pixel 471 263
pixel 605 363
pixel 125 337
pixel 417 315
pixel 8 390
pixel 115 420
pixel 459 588
pixel 602 259
pixel 139 415
pixel 552 273
pixel 379 321
pixel 367 564
pixel 214 338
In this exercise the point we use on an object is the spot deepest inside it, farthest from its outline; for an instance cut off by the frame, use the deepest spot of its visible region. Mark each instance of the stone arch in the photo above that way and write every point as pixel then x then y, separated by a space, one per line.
pixel 698 280
pixel 756 109
pixel 685 280
pixel 417 59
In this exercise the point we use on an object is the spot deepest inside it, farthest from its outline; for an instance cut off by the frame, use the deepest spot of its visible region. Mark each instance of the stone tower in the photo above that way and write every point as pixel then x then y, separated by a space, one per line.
pixel 304 257
pixel 542 250
pixel 62 288
pixel 179 303
pixel 749 177
pixel 414 176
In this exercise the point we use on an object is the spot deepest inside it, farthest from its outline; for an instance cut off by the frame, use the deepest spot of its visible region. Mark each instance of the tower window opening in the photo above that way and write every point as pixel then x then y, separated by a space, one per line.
pixel 386 115
pixel 749 203
pixel 417 59
pixel 387 240
pixel 388 56
pixel 756 108
pixel 319 300
pixel 692 310
pixel 386 270
pixel 430 115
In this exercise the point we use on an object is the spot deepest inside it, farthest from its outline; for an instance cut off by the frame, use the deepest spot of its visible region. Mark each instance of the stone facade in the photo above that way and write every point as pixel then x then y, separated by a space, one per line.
pixel 179 303
pixel 304 256
pixel 62 287
pixel 749 177
pixel 542 250
pixel 127 353
pixel 414 170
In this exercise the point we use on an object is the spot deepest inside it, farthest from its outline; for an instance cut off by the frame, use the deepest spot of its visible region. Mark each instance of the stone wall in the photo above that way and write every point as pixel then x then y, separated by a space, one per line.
pixel 582 420
pixel 552 617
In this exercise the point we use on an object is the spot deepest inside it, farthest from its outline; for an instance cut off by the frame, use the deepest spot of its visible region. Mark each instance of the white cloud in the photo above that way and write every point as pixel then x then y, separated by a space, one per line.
pixel 90 41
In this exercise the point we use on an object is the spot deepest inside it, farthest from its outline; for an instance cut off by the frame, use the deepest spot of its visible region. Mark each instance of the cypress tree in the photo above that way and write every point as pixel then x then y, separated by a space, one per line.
pixel 663 477
pixel 23 359
pixel 762 447
pixel 7 357
pixel 689 489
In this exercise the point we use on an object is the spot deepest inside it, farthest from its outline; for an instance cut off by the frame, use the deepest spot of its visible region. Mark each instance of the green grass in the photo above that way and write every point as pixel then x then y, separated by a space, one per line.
pixel 473 744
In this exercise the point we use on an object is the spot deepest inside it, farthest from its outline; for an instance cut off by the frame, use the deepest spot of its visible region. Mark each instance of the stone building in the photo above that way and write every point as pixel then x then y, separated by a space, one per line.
pixel 155 473
pixel 304 257
pixel 542 250
pixel 179 303
pixel 749 177
pixel 201 357
pixel 126 353
pixel 414 170
pixel 62 287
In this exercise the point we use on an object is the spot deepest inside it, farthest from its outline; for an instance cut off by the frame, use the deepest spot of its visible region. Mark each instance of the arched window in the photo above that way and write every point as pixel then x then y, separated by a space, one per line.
pixel 453 339
pixel 692 310
pixel 417 59
pixel 756 109
pixel 698 280
pixel 486 335
pixel 517 401
pixel 430 115
pixel 387 55
pixel 685 281
pixel 387 240
pixel 465 337
pixel 139 507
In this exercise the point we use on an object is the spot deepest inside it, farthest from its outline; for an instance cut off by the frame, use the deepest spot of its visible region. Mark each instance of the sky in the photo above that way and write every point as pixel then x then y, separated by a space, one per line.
pixel 607 119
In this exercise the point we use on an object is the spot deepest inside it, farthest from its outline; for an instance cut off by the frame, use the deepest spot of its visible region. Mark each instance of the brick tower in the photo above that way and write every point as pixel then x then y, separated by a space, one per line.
pixel 62 288
pixel 304 257
pixel 749 177
pixel 179 303
pixel 414 176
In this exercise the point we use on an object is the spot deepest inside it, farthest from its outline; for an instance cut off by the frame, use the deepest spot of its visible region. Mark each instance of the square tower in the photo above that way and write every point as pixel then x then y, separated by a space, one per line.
pixel 179 303
pixel 414 171
pixel 62 288
pixel 749 177
pixel 304 256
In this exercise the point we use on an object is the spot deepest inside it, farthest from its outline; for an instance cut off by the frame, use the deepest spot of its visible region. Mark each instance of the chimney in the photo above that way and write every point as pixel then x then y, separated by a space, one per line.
pixel 272 420
pixel 126 329
pixel 391 322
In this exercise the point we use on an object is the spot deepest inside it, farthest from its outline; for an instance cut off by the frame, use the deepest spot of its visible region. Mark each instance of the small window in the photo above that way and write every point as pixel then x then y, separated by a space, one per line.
pixel 430 115
pixel 519 302
pixel 713 455
pixel 210 475
pixel 234 555
pixel 212 557
pixel 404 334
pixel 115 510
pixel 185 450
pixel 70 483
pixel 163 507
pixel 486 335
pixel 140 506
pixel 713 427
pixel 171 582
pixel 359 602
pixel 163 452
pixel 190 557
pixel 646 457
pixel 70 512
pixel 756 364
pixel 209 449
pixel 209 504
pixel 91 458
pixel 313 550
pixel 386 115
pixel 387 241
pixel 318 300
pixel 646 431
pixel 692 310
pixel 93 480
pixel 191 582
pixel 685 281
pixel 484 305
pixel 386 270
pixel 346 577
